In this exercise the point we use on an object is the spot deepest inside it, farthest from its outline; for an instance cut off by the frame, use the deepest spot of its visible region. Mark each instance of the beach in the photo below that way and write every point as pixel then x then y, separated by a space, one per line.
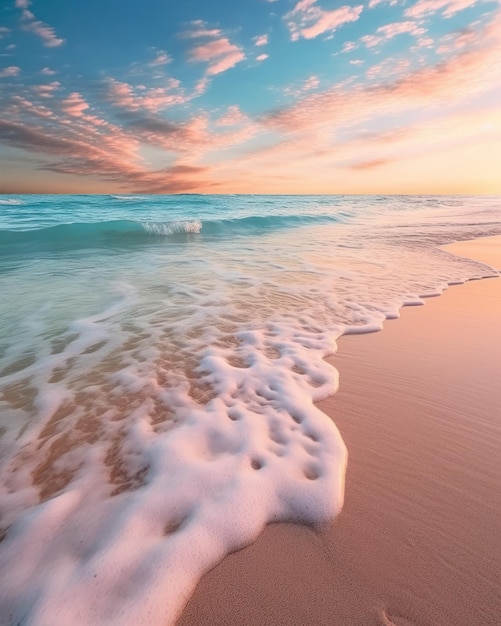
pixel 417 542
pixel 179 374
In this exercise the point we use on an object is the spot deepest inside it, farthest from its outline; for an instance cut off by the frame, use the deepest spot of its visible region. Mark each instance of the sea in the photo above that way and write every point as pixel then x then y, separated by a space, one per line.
pixel 160 360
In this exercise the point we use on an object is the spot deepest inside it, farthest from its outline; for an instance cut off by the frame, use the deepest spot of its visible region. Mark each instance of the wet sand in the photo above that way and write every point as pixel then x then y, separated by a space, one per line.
pixel 419 538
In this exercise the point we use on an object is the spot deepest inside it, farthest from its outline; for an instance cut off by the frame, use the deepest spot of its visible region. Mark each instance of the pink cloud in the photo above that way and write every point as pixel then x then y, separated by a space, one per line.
pixel 467 74
pixel 198 29
pixel 260 40
pixel 388 31
pixel 90 146
pixel 161 58
pixel 42 30
pixel 220 54
pixel 70 141
pixel 312 82
pixel 47 71
pixel 76 148
pixel 348 46
pixel 369 165
pixel 124 96
pixel 308 20
pixel 36 110
pixel 23 4
pixel 389 68
pixel 12 70
pixel 47 90
pixel 448 7
pixel 201 86
pixel 317 159
pixel 452 42
pixel 232 117
pixel 262 57
pixel 74 105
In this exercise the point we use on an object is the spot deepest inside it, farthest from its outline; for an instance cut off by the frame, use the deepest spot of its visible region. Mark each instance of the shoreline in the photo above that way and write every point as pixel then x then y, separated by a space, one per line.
pixel 416 540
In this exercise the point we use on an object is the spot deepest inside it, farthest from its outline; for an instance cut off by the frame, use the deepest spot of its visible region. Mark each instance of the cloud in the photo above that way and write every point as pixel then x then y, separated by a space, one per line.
pixel 178 178
pixel 312 82
pixel 388 31
pixel 40 111
pixel 220 55
pixel 48 35
pixel 84 148
pixel 125 96
pixel 260 40
pixel 47 71
pixel 463 76
pixel 198 29
pixel 64 138
pixel 323 132
pixel 390 67
pixel 33 138
pixel 262 57
pixel 308 20
pixel 4 31
pixel 369 165
pixel 348 46
pixel 201 86
pixel 23 4
pixel 74 105
pixel 375 3
pixel 458 39
pixel 12 70
pixel 423 8
pixel 232 117
pixel 161 58
pixel 47 90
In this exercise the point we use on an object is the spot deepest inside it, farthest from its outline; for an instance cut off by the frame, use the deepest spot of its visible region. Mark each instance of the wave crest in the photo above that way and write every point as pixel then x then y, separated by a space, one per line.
pixel 172 228
pixel 10 201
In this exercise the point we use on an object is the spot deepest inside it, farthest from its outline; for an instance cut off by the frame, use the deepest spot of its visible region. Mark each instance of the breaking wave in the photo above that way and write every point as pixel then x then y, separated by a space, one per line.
pixel 127 232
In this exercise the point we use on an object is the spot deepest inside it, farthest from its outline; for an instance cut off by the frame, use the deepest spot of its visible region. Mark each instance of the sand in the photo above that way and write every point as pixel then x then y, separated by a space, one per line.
pixel 419 539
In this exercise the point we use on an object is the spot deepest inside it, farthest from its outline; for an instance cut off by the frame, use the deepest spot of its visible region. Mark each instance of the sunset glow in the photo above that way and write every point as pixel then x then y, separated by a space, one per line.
pixel 273 96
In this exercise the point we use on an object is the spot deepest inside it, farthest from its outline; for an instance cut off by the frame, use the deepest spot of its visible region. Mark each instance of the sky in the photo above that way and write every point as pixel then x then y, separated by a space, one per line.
pixel 250 96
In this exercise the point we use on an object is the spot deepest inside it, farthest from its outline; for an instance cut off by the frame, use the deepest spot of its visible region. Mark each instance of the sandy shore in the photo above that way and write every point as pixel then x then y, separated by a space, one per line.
pixel 419 539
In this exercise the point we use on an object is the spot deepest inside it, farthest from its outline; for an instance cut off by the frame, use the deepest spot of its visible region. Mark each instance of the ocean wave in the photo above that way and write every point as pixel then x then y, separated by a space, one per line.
pixel 128 198
pixel 11 201
pixel 172 228
pixel 127 232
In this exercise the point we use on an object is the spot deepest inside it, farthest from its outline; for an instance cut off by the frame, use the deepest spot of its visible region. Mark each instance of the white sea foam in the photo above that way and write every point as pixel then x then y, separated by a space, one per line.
pixel 194 480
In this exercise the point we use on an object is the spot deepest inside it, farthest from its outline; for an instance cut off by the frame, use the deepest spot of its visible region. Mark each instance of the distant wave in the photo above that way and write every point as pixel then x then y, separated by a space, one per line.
pixel 129 198
pixel 127 232
pixel 11 201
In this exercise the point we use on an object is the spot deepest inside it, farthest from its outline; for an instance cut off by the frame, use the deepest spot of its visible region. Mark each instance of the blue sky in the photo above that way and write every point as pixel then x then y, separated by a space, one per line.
pixel 254 96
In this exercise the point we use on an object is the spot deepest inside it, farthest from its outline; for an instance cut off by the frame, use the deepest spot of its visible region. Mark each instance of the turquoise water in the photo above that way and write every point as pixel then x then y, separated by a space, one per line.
pixel 159 360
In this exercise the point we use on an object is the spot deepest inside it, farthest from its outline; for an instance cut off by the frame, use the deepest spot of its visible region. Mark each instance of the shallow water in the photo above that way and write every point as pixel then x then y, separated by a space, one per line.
pixel 159 359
